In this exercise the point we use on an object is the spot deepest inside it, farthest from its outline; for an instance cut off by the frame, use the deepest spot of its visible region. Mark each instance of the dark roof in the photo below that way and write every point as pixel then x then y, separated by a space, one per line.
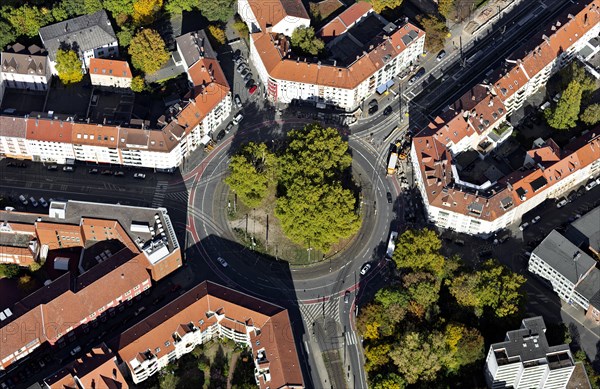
pixel 586 230
pixel 528 343
pixel 193 46
pixel 87 32
pixel 24 64
pixel 539 183
pixel 564 257
pixel 589 287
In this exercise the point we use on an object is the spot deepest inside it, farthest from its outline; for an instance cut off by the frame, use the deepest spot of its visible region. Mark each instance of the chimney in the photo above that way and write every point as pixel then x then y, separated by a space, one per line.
pixel 67 27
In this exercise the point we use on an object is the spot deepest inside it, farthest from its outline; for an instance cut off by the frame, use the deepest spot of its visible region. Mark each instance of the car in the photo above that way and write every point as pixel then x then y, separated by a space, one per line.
pixel 119 173
pixel 42 363
pixel 389 197
pixel 238 60
pixel 562 203
pixel 591 185
pixel 347 297
pixel 229 127
pixel 241 67
pixel 250 82
pixel 247 77
pixel 75 350
pixel 373 103
pixel 222 262
pixel 365 269
pixel 22 164
pixel 11 164
pixel 43 202
pixel 69 169
pixel 238 101
pixel 252 89
pixel 244 72
pixel 523 226
pixel 598 180
pixel 52 167
pixel 33 201
pixel 420 73
pixel 388 110
pixel 139 175
pixel 441 55
pixel 238 118
pixel 535 219
pixel 237 54
pixel 220 135
pixel 106 172
pixel 23 200
pixel 93 171
pixel 139 310
pixel 373 109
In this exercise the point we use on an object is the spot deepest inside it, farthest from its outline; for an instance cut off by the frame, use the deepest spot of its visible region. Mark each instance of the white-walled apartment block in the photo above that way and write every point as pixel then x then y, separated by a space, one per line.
pixel 110 73
pixel 477 121
pixel 363 58
pixel 186 126
pixel 24 68
pixel 525 360
pixel 91 36
pixel 213 311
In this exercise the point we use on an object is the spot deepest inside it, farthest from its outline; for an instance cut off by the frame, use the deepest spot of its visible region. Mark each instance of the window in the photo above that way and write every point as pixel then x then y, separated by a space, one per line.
pixel 167 343
pixel 157 350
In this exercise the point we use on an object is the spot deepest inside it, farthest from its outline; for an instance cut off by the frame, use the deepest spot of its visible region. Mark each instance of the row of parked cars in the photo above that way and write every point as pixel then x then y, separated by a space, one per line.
pixel 23 199
pixel 104 172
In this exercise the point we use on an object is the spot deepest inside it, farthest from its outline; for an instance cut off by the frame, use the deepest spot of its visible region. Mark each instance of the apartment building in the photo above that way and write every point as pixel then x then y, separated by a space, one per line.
pixel 96 369
pixel 91 36
pixel 13 138
pixel 124 247
pixel 362 60
pixel 526 360
pixel 211 311
pixel 280 17
pixel 110 73
pixel 477 121
pixel 24 68
pixel 573 274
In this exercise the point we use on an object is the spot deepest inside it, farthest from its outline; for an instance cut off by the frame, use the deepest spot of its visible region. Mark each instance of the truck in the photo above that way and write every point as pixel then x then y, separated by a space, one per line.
pixel 391 245
pixel 391 168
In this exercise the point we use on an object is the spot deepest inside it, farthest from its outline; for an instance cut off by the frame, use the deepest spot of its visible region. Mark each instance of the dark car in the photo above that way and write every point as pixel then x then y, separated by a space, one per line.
pixel 107 172
pixel 119 174
pixel 373 103
pixel 52 167
pixel 247 77
pixel 93 171
pixel 373 109
pixel 389 197
pixel 250 82
pixel 244 72
pixel 388 110
pixel 229 127
pixel 220 135
pixel 420 73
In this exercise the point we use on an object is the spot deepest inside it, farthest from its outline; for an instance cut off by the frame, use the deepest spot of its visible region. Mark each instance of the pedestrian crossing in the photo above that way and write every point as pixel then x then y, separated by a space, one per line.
pixel 181 197
pixel 159 194
pixel 350 338
pixel 329 309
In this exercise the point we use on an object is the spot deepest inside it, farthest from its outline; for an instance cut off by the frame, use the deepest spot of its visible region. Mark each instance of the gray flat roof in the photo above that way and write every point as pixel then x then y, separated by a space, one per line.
pixel 589 287
pixel 564 257
pixel 586 230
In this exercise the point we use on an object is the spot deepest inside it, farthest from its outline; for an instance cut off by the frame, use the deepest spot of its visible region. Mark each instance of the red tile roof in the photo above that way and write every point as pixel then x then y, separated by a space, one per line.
pixel 49 130
pixel 270 12
pixel 345 20
pixel 109 67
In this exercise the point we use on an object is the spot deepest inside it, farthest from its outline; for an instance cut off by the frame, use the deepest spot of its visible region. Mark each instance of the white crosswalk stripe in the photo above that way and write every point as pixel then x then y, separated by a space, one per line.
pixel 316 311
pixel 159 194
pixel 181 197
pixel 350 338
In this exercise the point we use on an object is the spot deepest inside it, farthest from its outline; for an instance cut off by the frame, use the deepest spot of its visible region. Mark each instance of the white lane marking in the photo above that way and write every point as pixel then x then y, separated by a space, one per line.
pixel 307 349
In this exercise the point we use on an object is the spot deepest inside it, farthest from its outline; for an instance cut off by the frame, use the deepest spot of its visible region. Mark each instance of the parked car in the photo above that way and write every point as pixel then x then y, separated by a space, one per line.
pixel 119 173
pixel 372 103
pixel 238 101
pixel 139 310
pixel 420 73
pixel 33 201
pixel 373 109
pixel 75 350
pixel 365 269
pixel 389 197
pixel 535 219
pixel 523 226
pixel 248 76
pixel 241 67
pixel 562 203
pixel 70 169
pixel 43 202
pixel 23 200
pixel 139 175
pixel 388 110
pixel 222 262
pixel 252 89
pixel 229 127
pixel 52 167
pixel 441 55
pixel 93 171
pixel 244 72
pixel 347 297
pixel 238 118
pixel 250 82
pixel 106 172
pixel 220 135
pixel 591 185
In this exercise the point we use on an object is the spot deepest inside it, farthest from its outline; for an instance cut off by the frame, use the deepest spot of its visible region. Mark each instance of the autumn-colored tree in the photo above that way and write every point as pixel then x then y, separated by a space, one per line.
pixel 144 10
pixel 68 66
pixel 147 51
pixel 376 356
pixel 380 5
pixel 137 84
pixel 217 34
pixel 436 32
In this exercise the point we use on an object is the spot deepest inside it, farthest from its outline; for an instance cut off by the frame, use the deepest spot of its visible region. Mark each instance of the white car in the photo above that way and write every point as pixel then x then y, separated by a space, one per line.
pixel 76 350
pixel 139 175
pixel 238 118
pixel 23 200
pixel 43 202
pixel 365 269
pixel 591 185
pixel 562 203
pixel 33 201
pixel 535 219
pixel 523 226
pixel 222 262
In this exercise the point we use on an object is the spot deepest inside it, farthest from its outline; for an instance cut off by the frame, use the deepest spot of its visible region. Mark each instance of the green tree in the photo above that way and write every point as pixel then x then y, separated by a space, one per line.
pixel 592 374
pixel 242 28
pixel 388 381
pixel 147 51
pixel 27 20
pixel 576 72
pixel 436 32
pixel 26 283
pixel 116 7
pixel 591 115
pixel 124 36
pixel 566 112
pixel 446 8
pixel 305 42
pixel 217 10
pixel 251 171
pixel 420 250
pixel 68 66
pixel 369 321
pixel 168 380
pixel 7 35
pixel 419 357
pixel 217 34
pixel 377 356
pixel 137 84
pixel 35 266
pixel 380 5
pixel 494 286
pixel 178 6
pixel 465 346
pixel 9 270
pixel 59 13
pixel 423 290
